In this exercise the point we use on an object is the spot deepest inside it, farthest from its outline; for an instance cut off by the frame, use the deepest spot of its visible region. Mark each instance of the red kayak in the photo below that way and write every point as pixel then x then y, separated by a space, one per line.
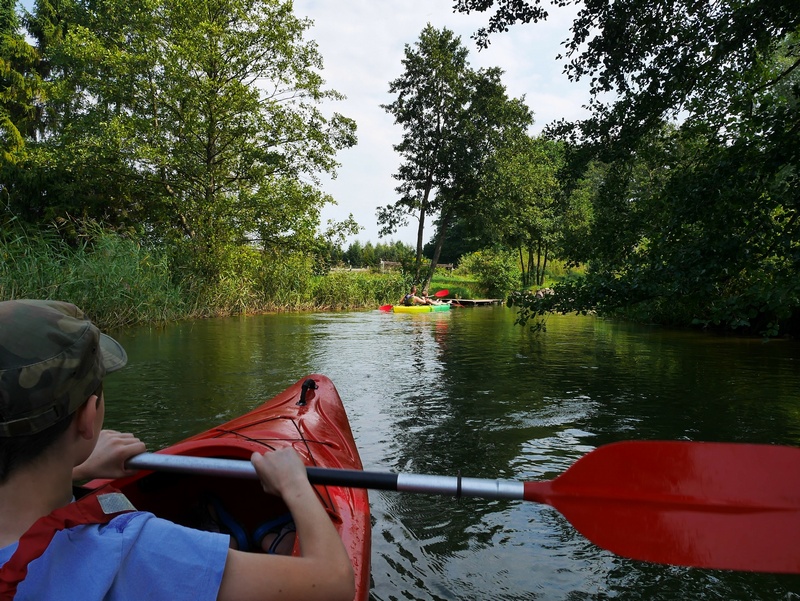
pixel 310 417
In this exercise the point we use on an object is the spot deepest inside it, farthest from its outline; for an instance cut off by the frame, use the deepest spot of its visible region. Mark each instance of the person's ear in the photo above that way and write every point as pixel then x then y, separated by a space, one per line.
pixel 85 417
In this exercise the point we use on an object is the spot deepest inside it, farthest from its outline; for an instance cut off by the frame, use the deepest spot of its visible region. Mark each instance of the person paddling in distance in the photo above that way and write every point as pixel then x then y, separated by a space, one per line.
pixel 412 299
pixel 52 364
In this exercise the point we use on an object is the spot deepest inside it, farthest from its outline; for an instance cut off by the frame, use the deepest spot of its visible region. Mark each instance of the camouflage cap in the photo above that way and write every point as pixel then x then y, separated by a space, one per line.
pixel 52 359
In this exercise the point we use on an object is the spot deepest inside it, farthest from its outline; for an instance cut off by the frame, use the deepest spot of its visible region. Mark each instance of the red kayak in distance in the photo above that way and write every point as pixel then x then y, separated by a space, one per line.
pixel 308 416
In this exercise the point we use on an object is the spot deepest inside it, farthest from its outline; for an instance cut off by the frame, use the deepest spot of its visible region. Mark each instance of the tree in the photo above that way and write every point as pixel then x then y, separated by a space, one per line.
pixel 194 123
pixel 431 94
pixel 489 122
pixel 706 61
pixel 354 254
pixel 454 120
pixel 463 237
pixel 527 206
pixel 19 85
pixel 695 117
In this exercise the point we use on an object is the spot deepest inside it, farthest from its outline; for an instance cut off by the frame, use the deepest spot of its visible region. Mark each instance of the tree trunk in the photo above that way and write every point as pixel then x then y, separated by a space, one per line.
pixel 443 224
pixel 538 263
pixel 531 276
pixel 544 263
pixel 522 267
pixel 421 229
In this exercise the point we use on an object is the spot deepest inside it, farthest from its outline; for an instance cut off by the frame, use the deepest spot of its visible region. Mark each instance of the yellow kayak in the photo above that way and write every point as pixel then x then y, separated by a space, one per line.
pixel 421 308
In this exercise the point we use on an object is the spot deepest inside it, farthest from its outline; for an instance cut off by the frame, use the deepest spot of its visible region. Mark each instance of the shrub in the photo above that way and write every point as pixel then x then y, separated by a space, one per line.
pixel 495 271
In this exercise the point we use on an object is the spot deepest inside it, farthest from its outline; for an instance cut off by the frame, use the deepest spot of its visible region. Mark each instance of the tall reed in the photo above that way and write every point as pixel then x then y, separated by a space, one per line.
pixel 344 289
pixel 113 279
pixel 120 282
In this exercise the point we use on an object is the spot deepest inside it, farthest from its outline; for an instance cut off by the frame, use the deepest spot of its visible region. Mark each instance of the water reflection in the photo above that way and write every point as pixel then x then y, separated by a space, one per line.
pixel 467 391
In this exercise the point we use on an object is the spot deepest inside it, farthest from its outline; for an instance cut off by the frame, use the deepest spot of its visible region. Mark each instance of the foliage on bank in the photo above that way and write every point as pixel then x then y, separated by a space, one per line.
pixel 114 279
pixel 688 157
pixel 496 272
pixel 196 128
pixel 121 282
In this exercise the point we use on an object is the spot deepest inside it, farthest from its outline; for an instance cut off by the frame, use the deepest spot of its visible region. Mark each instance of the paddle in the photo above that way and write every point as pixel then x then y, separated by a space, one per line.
pixel 385 308
pixel 707 505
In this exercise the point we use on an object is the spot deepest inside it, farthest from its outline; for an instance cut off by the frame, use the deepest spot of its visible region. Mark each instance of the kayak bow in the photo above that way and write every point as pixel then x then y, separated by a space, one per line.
pixel 308 416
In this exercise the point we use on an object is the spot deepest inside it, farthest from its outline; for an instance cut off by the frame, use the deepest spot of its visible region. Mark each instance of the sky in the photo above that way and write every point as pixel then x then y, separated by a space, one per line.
pixel 362 44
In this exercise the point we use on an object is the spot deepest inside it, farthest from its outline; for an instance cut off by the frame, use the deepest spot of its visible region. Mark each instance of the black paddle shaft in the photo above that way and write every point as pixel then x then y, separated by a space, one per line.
pixel 352 478
pixel 239 468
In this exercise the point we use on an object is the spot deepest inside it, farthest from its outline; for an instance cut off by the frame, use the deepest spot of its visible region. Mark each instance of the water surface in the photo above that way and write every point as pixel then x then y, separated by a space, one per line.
pixel 468 391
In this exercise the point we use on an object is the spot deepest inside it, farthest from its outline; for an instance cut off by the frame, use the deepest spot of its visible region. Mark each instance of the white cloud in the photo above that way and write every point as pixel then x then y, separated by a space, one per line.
pixel 362 44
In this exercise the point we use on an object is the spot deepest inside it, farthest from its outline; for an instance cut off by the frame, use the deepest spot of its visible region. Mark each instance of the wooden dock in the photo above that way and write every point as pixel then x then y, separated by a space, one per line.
pixel 476 302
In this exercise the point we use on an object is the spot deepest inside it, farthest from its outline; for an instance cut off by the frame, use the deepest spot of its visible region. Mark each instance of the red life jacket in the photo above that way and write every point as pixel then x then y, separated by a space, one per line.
pixel 98 507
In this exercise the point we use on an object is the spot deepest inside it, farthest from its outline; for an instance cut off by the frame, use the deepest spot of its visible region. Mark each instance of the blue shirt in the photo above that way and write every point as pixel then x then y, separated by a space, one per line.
pixel 136 556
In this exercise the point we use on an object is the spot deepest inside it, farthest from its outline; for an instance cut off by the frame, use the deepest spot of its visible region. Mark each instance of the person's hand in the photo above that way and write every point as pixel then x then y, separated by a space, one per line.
pixel 108 458
pixel 280 471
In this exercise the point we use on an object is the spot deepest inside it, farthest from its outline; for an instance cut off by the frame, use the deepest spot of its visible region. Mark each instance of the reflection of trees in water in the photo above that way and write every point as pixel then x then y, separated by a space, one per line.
pixel 190 376
pixel 467 421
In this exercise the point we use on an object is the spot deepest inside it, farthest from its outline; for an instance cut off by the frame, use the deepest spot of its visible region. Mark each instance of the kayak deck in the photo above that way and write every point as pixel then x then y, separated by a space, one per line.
pixel 318 429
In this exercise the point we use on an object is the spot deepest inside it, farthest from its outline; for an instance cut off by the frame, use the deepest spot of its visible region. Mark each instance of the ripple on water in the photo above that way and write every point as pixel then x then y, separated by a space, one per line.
pixel 470 391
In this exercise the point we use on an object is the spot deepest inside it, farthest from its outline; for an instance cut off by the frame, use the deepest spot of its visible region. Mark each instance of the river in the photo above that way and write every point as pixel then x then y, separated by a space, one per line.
pixel 469 392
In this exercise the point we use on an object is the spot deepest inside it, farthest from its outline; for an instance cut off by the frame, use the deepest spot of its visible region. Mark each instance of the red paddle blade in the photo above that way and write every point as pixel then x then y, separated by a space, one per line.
pixel 709 505
pixel 441 293
pixel 385 308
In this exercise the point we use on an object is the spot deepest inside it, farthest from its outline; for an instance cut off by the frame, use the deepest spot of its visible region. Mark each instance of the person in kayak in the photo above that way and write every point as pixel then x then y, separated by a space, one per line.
pixel 52 364
pixel 412 299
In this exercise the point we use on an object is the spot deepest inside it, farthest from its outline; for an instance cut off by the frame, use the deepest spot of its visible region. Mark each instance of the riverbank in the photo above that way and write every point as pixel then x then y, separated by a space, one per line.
pixel 120 282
